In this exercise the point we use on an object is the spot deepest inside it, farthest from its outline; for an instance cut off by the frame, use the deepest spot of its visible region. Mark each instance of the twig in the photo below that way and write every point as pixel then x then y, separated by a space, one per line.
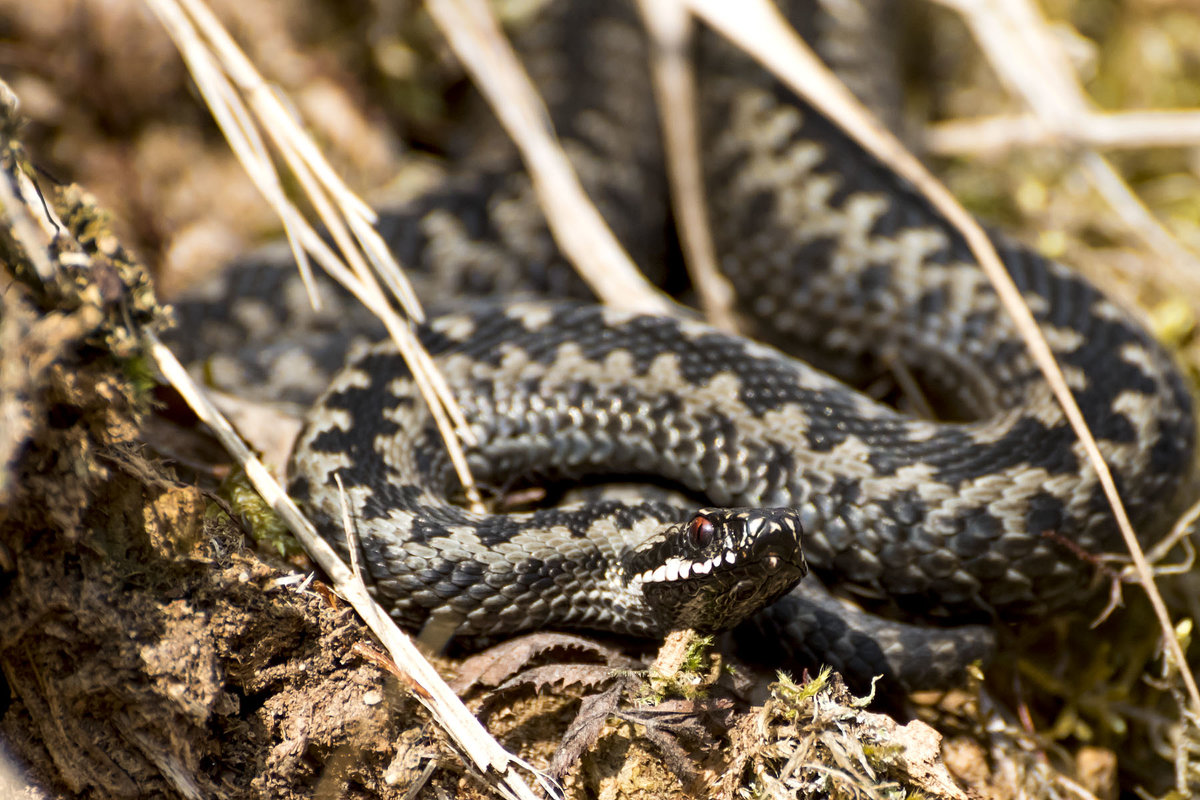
pixel 759 29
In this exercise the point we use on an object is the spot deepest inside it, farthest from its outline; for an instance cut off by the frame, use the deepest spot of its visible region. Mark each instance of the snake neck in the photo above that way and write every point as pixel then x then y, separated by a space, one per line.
pixel 446 571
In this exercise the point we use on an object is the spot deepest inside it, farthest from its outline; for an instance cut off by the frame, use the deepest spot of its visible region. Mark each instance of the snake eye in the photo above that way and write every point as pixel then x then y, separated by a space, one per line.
pixel 700 531
pixel 772 562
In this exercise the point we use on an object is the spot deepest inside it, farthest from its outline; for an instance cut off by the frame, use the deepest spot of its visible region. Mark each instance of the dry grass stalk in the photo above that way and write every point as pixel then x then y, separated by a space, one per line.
pixel 1027 57
pixel 213 60
pixel 493 762
pixel 1180 535
pixel 1102 130
pixel 669 25
pixel 581 233
pixel 464 730
pixel 758 28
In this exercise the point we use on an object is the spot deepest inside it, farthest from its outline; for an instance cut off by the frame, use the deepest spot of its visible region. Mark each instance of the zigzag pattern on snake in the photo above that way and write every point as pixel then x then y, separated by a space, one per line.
pixel 830 255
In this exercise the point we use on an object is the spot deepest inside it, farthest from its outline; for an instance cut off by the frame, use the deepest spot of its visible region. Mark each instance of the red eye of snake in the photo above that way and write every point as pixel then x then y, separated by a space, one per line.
pixel 700 531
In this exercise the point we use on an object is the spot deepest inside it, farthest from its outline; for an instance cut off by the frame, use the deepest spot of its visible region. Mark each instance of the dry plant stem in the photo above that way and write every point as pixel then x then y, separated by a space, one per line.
pixel 306 160
pixel 673 653
pixel 669 25
pixel 1076 789
pixel 337 205
pixel 415 789
pixel 910 389
pixel 22 222
pixel 321 182
pixel 758 28
pixel 1025 56
pixel 581 233
pixel 236 123
pixel 1133 212
pixel 1113 130
pixel 464 730
pixel 1179 533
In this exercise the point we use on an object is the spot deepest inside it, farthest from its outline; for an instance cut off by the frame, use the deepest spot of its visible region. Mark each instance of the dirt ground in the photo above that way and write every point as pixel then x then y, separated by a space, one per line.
pixel 148 649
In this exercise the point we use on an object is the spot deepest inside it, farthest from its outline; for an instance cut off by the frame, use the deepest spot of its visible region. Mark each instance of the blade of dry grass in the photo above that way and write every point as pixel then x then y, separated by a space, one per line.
pixel 669 26
pixel 1180 534
pixel 1034 66
pixel 1180 262
pixel 492 761
pixel 1026 56
pixel 213 61
pixel 1102 130
pixel 581 233
pixel 26 225
pixel 758 28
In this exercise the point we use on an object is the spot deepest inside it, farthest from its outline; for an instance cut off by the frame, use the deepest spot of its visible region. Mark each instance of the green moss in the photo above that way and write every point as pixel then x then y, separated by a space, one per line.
pixel 266 527
pixel 793 695
pixel 696 660
pixel 696 672
pixel 141 373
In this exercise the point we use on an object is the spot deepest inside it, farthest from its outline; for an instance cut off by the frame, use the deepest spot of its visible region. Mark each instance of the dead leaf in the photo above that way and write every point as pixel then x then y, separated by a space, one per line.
pixel 497 664
pixel 587 675
pixel 676 758
pixel 585 729
pixel 701 726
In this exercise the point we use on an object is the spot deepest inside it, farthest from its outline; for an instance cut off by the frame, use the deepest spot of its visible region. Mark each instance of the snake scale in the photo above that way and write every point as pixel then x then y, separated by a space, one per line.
pixel 990 515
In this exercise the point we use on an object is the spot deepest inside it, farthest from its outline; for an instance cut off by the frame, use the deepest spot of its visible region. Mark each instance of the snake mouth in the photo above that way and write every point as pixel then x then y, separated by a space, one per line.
pixel 678 569
pixel 683 569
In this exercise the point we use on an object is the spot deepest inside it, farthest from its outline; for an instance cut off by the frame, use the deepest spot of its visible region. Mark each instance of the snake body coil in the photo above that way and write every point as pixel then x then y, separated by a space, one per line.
pixel 831 255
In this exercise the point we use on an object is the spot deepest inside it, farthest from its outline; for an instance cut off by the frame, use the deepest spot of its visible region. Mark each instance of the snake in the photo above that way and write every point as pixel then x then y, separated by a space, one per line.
pixel 741 462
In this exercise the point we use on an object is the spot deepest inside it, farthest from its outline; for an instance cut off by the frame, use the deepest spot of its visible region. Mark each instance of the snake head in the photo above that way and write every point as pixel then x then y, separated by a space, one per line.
pixel 719 567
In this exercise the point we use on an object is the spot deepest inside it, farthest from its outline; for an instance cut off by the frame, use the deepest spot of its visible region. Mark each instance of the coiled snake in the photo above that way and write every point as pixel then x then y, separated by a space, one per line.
pixel 831 255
